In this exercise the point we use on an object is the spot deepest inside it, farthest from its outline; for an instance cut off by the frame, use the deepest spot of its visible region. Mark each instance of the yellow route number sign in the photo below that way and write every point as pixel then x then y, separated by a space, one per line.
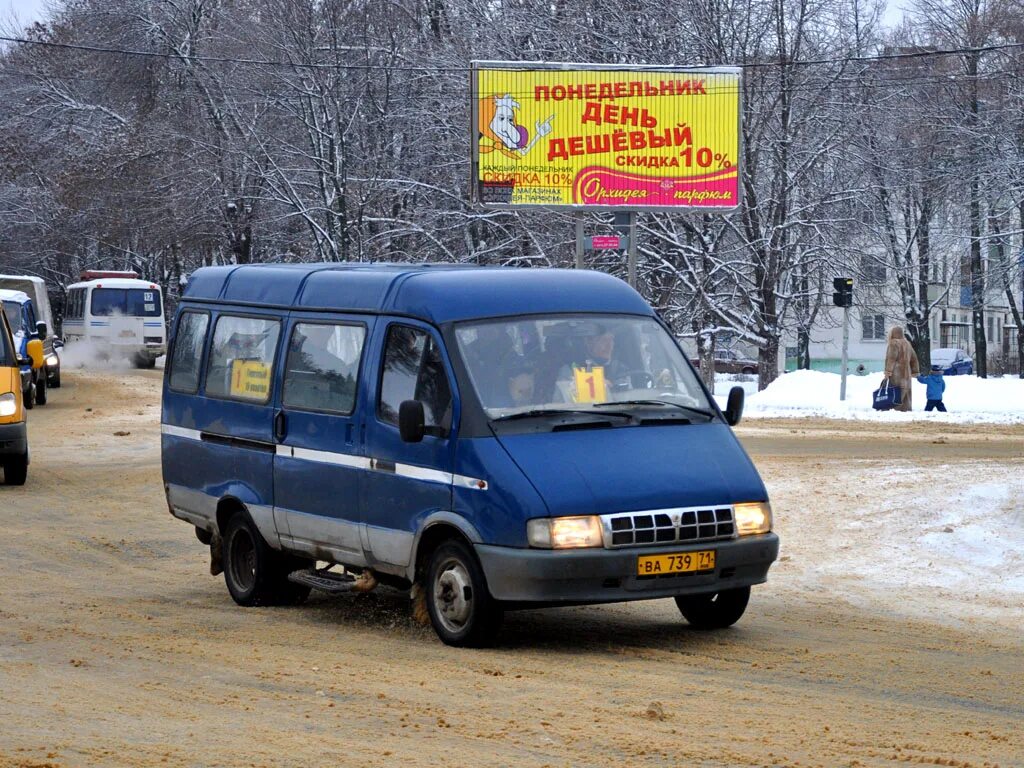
pixel 250 379
pixel 590 385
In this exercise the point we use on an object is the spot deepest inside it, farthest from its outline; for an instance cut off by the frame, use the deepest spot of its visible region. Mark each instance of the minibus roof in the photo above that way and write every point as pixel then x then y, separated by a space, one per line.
pixel 437 293
pixel 19 296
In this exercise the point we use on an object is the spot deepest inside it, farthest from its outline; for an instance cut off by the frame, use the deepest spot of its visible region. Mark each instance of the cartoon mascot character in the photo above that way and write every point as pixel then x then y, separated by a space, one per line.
pixel 499 131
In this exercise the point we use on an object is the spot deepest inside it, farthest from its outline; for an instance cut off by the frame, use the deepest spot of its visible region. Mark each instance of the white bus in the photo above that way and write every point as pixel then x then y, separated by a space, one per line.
pixel 115 315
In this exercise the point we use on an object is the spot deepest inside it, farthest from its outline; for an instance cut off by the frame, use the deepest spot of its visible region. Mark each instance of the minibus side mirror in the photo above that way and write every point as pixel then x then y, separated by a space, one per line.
pixel 411 421
pixel 41 329
pixel 35 351
pixel 734 406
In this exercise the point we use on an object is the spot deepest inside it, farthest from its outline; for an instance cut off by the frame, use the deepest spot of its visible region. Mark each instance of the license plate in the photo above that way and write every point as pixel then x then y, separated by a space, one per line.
pixel 683 562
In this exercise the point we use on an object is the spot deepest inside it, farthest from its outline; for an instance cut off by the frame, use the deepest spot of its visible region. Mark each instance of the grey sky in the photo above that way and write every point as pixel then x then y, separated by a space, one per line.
pixel 23 11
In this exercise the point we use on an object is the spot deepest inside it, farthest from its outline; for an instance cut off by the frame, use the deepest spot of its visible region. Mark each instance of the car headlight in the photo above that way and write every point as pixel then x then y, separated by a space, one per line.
pixel 8 404
pixel 565 532
pixel 755 517
pixel 52 360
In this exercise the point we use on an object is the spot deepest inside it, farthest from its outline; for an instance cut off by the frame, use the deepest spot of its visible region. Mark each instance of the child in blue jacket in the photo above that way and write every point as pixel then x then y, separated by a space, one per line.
pixel 936 386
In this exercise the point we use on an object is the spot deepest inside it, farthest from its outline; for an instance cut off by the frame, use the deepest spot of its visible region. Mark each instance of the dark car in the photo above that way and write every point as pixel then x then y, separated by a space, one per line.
pixel 954 362
pixel 727 361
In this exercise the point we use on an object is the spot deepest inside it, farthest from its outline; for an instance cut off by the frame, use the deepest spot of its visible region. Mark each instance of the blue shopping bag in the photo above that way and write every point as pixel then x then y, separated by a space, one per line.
pixel 887 397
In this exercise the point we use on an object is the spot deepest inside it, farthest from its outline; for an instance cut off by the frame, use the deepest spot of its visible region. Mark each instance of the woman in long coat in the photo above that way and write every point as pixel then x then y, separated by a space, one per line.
pixel 901 366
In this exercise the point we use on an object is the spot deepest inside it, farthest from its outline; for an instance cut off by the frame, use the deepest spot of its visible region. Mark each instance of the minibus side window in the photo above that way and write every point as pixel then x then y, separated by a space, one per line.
pixel 322 367
pixel 242 358
pixel 413 370
pixel 188 351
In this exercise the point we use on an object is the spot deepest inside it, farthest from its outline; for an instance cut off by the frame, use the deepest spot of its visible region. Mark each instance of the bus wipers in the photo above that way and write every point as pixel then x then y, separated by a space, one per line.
pixel 667 403
pixel 536 412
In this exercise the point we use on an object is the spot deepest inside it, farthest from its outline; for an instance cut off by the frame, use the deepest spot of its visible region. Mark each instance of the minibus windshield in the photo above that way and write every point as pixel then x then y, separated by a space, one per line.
pixel 554 363
pixel 131 302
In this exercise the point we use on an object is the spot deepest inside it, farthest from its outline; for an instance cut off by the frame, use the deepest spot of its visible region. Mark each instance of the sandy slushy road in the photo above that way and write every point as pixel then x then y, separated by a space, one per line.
pixel 864 649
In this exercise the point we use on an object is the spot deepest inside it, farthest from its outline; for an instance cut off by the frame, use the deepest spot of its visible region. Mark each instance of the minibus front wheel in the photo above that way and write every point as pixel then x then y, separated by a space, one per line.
pixel 462 611
pixel 16 469
pixel 716 610
pixel 255 574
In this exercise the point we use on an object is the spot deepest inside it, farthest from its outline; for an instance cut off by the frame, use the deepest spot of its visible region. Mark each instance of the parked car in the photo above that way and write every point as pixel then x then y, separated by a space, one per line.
pixel 954 362
pixel 727 361
pixel 13 435
pixel 496 438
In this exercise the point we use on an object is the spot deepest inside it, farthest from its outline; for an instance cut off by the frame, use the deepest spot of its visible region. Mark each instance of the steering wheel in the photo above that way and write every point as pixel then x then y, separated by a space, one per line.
pixel 639 379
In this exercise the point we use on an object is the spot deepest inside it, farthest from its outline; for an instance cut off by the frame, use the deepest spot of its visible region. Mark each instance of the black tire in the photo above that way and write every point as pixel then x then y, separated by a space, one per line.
pixel 41 390
pixel 144 361
pixel 16 470
pixel 716 610
pixel 254 573
pixel 28 397
pixel 54 379
pixel 461 609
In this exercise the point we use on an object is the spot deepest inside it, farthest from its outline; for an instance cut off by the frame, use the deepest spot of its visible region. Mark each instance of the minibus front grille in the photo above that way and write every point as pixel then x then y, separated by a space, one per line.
pixel 668 526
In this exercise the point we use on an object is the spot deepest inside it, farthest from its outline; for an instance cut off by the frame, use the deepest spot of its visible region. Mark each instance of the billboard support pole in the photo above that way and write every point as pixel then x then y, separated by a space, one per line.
pixel 579 240
pixel 631 250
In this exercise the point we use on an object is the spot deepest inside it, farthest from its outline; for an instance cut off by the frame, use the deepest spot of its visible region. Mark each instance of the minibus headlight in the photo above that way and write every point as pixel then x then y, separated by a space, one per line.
pixel 52 360
pixel 8 404
pixel 565 532
pixel 755 517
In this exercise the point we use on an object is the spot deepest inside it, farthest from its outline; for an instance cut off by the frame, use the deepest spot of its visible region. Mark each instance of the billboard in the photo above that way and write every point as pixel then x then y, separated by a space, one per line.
pixel 600 137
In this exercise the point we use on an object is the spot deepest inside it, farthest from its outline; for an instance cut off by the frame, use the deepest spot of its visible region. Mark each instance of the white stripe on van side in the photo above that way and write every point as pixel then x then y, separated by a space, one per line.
pixel 411 471
pixel 191 434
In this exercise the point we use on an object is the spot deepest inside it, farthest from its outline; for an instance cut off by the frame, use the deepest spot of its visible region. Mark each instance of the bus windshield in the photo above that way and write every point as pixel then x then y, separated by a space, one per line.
pixel 130 302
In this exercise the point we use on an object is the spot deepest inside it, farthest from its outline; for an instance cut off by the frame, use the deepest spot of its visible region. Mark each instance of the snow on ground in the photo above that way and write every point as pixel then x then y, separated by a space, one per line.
pixel 945 541
pixel 969 399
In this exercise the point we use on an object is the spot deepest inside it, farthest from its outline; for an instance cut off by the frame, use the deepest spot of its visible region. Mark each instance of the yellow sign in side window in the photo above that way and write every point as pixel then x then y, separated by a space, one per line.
pixel 590 384
pixel 250 379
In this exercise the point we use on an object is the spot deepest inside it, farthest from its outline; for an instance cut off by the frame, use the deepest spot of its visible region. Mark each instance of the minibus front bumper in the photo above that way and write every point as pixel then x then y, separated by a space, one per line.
pixel 578 576
pixel 13 439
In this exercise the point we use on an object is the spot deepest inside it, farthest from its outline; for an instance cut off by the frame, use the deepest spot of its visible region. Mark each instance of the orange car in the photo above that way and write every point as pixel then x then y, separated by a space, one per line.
pixel 13 435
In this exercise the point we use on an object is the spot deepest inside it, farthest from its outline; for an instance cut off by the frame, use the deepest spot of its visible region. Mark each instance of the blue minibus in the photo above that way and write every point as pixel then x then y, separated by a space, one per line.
pixel 489 438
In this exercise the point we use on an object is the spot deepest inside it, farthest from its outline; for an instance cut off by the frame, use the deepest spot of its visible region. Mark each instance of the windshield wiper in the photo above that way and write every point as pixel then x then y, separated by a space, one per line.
pixel 667 403
pixel 536 412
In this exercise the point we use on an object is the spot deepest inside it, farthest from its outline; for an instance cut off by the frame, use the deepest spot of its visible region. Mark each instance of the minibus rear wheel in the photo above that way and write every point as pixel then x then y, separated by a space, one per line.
pixel 254 573
pixel 716 610
pixel 462 611
pixel 41 391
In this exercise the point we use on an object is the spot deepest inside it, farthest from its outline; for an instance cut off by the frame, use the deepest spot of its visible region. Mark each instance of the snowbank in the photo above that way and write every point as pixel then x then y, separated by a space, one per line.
pixel 816 394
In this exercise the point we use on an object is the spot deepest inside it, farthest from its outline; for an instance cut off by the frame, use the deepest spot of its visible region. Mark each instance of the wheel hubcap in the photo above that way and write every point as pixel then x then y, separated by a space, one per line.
pixel 453 595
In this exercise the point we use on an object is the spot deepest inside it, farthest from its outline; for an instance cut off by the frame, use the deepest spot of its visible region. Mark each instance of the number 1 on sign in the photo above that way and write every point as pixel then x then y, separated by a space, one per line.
pixel 590 385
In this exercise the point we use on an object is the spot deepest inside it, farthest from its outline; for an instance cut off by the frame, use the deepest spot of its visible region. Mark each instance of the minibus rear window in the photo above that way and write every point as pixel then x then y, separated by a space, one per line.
pixel 129 302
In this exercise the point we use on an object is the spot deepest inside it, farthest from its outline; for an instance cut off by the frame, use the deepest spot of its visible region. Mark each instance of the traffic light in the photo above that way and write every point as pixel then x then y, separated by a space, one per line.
pixel 843 295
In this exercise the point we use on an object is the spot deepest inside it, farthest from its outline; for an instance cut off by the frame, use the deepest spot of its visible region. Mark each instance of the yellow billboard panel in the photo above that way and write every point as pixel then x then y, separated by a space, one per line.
pixel 593 137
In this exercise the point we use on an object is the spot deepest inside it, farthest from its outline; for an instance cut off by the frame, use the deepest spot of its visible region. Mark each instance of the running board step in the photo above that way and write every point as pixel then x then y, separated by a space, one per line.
pixel 327 581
